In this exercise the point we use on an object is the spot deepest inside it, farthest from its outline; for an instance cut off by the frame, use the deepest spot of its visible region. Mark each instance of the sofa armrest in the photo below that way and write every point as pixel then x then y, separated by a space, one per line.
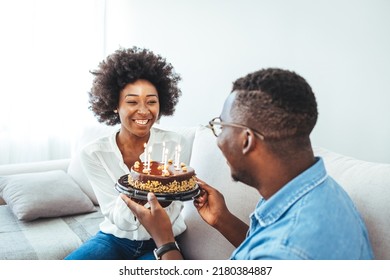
pixel 40 166
pixel 368 184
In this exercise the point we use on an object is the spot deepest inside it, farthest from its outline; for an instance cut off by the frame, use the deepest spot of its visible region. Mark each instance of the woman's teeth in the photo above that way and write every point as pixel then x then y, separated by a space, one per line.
pixel 141 121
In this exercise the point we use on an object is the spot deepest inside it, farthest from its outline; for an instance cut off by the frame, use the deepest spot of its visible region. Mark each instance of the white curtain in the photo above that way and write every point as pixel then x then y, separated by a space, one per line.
pixel 47 49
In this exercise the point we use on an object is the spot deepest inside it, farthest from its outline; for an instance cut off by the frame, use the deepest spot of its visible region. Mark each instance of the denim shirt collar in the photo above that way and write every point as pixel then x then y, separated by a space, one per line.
pixel 269 211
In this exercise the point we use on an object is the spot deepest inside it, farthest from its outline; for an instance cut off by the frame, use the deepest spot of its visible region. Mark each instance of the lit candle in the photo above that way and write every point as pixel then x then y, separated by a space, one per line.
pixel 177 157
pixel 166 160
pixel 175 160
pixel 165 169
pixel 163 153
pixel 149 152
pixel 145 154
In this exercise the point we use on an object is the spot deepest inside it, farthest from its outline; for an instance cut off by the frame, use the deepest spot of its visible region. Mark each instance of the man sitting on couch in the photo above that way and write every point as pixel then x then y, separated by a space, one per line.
pixel 263 132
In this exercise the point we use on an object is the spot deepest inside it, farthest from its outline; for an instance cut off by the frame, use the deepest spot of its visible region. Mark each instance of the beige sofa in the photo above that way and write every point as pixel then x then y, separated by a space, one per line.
pixel 55 234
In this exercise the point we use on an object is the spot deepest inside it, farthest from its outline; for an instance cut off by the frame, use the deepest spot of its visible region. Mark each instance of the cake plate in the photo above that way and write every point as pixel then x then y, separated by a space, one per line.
pixel 124 187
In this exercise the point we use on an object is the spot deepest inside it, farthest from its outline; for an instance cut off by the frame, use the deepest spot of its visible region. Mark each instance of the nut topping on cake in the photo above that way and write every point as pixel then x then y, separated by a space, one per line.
pixel 162 178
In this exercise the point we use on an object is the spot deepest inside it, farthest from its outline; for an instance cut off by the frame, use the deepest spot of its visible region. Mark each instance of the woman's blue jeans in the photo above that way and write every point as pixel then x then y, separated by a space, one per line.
pixel 104 246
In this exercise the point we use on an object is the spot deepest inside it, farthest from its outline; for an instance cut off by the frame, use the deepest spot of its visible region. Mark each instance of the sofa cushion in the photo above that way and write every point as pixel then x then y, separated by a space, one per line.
pixel 368 184
pixel 75 168
pixel 43 194
pixel 211 167
pixel 44 239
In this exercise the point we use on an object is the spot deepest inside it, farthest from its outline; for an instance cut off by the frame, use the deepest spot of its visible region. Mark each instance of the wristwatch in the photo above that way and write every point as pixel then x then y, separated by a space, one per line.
pixel 160 251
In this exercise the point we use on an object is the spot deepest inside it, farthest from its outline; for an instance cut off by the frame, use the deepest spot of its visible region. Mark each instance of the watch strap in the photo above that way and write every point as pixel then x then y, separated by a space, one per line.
pixel 160 251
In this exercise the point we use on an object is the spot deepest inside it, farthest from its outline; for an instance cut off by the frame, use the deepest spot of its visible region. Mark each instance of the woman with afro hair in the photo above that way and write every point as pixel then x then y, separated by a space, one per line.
pixel 132 88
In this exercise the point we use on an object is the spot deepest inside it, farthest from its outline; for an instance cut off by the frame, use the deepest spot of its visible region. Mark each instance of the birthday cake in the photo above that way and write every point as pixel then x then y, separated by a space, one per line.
pixel 162 178
pixel 168 182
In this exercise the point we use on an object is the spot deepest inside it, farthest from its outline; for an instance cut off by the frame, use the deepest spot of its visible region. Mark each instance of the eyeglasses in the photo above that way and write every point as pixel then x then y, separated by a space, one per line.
pixel 216 126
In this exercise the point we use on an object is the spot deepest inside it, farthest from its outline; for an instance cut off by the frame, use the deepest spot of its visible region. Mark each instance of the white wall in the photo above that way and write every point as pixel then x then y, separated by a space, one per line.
pixel 341 47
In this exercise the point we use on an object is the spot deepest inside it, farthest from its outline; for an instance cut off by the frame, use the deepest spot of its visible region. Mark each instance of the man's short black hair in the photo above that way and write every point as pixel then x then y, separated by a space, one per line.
pixel 276 102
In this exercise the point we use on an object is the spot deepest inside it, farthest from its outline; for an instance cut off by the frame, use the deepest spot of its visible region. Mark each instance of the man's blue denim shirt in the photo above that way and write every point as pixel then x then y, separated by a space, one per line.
pixel 311 217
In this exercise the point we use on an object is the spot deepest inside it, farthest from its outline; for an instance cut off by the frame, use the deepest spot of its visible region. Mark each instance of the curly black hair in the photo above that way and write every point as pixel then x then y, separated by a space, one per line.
pixel 278 103
pixel 126 66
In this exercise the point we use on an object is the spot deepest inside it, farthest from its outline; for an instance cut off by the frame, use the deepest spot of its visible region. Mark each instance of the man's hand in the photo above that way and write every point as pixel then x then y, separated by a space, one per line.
pixel 210 204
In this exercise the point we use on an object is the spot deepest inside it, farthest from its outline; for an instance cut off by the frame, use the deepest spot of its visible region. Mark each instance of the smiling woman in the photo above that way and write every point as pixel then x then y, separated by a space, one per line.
pixel 48 48
pixel 132 87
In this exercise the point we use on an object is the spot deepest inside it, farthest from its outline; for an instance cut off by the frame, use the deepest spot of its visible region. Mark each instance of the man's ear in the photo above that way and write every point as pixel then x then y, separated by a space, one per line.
pixel 249 142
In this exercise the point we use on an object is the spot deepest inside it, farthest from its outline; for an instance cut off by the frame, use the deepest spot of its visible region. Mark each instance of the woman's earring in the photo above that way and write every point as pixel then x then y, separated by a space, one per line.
pixel 116 111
